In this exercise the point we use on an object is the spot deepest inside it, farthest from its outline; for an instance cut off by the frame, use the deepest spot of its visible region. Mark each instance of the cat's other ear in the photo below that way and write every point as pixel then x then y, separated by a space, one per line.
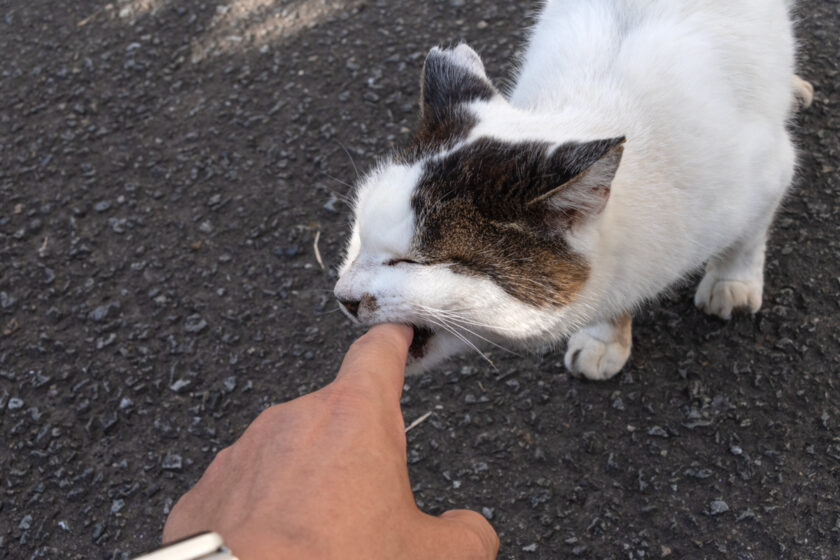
pixel 591 167
pixel 450 77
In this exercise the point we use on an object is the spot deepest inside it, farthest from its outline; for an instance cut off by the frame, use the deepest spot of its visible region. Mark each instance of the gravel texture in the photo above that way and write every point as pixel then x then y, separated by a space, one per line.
pixel 164 169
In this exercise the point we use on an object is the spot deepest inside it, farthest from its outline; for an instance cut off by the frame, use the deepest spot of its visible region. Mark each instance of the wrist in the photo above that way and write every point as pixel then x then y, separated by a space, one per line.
pixel 250 543
pixel 201 546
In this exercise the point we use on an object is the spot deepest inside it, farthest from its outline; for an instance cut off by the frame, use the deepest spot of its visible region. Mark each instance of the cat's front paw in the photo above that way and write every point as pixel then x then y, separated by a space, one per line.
pixel 719 296
pixel 599 352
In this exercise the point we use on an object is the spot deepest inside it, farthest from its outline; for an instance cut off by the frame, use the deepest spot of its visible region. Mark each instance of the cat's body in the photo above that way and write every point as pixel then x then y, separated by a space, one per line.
pixel 467 232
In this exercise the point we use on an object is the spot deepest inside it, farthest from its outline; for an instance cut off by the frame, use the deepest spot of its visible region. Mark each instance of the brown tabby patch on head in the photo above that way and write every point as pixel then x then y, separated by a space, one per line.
pixel 473 214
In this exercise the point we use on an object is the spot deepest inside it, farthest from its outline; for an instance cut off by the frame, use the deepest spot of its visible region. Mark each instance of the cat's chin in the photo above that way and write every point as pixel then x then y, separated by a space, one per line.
pixel 429 348
pixel 420 342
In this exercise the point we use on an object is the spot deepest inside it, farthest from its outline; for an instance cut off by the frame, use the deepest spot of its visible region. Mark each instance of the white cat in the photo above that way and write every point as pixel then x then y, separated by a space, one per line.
pixel 642 139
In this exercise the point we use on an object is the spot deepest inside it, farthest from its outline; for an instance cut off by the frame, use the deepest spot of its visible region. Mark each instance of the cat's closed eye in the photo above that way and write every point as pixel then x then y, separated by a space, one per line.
pixel 395 262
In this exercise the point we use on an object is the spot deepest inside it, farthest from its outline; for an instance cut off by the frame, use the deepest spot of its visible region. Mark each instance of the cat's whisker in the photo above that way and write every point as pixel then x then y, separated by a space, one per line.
pixel 353 163
pixel 455 324
pixel 453 328
pixel 467 321
pixel 328 312
pixel 463 339
pixel 340 182
pixel 437 310
pixel 450 310
pixel 475 334
pixel 454 314
pixel 308 290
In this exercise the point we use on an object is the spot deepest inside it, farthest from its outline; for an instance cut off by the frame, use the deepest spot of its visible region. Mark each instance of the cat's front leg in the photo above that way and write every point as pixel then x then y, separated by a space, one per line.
pixel 600 350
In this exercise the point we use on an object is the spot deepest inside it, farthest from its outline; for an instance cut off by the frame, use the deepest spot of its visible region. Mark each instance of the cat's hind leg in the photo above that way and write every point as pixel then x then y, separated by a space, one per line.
pixel 734 279
pixel 601 350
pixel 803 91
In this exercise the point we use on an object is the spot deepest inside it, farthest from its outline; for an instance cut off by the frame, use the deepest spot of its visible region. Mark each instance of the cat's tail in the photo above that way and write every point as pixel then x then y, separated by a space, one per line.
pixel 803 91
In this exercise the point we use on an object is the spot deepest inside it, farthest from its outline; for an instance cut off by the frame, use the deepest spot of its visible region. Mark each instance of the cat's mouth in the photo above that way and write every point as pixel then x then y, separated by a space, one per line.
pixel 420 342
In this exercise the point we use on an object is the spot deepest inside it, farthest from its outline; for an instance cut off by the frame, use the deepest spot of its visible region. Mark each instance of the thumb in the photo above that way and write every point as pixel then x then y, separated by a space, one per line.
pixel 478 534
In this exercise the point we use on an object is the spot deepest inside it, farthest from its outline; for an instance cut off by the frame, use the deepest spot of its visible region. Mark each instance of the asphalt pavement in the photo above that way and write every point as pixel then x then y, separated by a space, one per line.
pixel 166 172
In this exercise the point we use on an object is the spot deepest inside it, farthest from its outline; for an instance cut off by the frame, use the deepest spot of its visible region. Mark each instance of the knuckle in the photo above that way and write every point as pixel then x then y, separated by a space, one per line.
pixel 364 343
pixel 345 397
pixel 266 421
pixel 218 463
pixel 216 471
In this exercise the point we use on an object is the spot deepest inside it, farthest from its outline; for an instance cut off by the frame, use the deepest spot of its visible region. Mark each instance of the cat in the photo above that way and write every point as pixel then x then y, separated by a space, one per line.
pixel 641 140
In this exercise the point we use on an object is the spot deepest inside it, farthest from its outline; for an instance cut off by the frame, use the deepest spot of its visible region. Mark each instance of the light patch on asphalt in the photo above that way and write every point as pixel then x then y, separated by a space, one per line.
pixel 256 24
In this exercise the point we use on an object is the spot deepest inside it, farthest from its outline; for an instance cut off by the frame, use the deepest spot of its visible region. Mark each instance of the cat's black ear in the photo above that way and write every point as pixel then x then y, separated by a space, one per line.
pixel 585 172
pixel 450 77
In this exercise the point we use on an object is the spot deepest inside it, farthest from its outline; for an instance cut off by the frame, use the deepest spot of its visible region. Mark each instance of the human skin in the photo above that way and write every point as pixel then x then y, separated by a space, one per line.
pixel 325 476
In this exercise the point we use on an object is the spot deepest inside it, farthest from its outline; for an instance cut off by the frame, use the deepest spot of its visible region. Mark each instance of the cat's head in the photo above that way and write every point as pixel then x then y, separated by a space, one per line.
pixel 464 234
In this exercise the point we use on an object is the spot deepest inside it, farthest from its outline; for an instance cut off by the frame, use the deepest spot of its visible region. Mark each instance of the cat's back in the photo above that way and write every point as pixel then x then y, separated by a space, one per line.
pixel 659 49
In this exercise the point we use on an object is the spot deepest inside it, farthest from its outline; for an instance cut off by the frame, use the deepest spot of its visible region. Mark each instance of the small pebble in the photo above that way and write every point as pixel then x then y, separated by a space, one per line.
pixel 6 300
pixel 718 507
pixel 180 385
pixel 657 432
pixel 195 324
pixel 172 462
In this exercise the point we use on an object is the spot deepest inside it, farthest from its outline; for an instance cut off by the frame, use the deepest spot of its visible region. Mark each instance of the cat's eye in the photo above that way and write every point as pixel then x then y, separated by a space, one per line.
pixel 395 262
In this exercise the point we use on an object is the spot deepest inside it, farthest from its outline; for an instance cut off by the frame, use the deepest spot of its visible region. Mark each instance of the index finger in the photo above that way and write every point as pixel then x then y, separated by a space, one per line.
pixel 376 361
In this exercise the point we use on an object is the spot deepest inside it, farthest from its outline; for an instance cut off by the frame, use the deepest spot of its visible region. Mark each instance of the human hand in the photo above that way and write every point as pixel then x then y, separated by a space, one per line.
pixel 325 476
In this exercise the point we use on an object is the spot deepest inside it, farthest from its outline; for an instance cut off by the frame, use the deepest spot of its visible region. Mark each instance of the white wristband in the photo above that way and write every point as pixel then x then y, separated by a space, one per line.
pixel 203 546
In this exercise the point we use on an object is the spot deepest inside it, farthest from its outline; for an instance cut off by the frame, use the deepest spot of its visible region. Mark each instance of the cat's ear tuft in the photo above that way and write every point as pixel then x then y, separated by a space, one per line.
pixel 450 77
pixel 592 167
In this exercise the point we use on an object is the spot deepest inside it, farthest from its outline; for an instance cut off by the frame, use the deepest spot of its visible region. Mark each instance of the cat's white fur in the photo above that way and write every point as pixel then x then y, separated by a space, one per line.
pixel 702 90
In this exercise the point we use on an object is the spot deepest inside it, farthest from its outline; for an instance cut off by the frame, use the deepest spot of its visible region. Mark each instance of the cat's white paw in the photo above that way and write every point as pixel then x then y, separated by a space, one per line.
pixel 720 296
pixel 599 352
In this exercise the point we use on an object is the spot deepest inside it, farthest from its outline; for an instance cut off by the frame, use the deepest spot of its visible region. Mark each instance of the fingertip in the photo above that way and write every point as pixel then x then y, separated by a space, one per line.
pixel 388 340
pixel 378 357
pixel 400 333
